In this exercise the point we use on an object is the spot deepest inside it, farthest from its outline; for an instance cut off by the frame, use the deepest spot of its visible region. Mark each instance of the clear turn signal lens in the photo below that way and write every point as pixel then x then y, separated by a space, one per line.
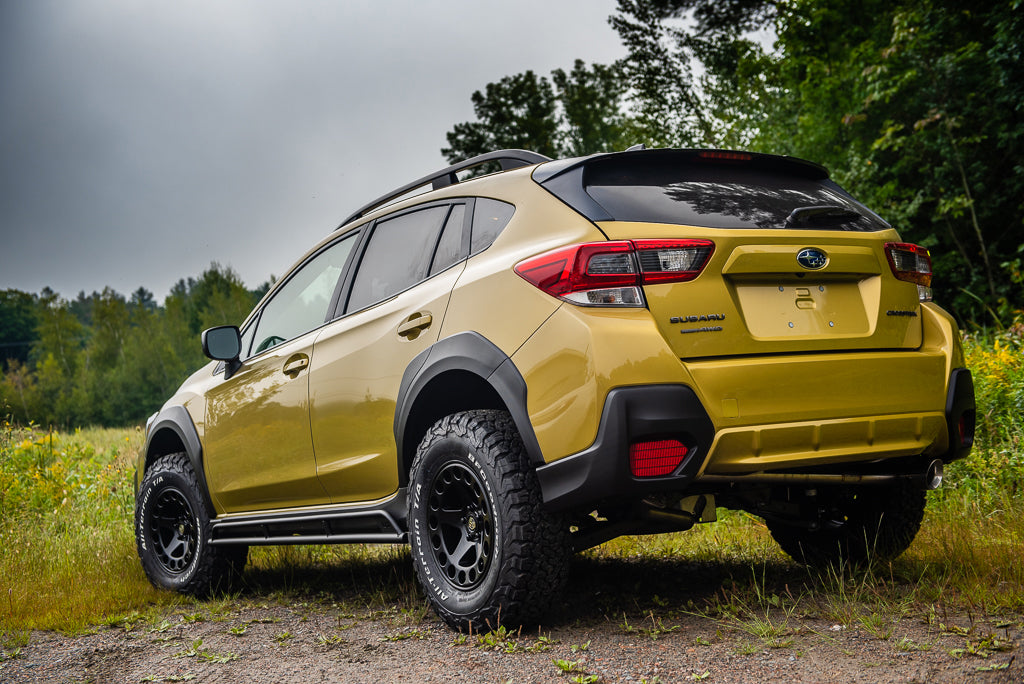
pixel 608 296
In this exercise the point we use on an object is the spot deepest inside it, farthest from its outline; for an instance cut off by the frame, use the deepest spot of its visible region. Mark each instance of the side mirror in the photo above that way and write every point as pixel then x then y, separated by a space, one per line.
pixel 223 343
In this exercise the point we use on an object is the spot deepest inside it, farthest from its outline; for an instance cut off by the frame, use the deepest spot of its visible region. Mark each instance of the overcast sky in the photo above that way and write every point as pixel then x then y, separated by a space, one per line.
pixel 141 141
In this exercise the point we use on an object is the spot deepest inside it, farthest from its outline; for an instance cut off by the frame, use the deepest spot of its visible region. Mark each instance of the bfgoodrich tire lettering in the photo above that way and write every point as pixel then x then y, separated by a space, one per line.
pixel 484 549
pixel 172 526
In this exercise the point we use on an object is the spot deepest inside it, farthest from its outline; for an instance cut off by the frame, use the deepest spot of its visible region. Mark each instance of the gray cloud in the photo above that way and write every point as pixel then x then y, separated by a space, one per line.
pixel 141 141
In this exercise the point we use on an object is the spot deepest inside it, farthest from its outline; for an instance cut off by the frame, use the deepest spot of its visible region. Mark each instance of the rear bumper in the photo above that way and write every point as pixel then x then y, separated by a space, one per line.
pixel 602 472
pixel 630 414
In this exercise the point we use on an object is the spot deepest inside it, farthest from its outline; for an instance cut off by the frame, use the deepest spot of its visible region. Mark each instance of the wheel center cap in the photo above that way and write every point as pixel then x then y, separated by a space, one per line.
pixel 471 523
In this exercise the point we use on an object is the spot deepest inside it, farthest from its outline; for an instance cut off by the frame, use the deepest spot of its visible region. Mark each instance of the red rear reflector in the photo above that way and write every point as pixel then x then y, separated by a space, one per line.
pixel 657 458
pixel 965 426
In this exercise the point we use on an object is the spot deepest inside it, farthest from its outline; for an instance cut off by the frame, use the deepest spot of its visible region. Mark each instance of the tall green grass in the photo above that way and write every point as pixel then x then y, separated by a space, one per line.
pixel 65 528
pixel 67 553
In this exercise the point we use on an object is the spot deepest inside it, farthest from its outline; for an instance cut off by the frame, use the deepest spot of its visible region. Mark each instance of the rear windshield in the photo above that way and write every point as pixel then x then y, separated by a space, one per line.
pixel 713 194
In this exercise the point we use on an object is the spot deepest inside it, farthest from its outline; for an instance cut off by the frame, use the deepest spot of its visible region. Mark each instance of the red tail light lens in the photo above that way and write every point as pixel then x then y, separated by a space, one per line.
pixel 611 273
pixel 656 458
pixel 913 264
pixel 909 262
pixel 672 261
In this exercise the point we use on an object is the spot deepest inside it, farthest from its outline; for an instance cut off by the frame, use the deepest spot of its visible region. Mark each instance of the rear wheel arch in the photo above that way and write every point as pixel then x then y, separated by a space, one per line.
pixel 459 373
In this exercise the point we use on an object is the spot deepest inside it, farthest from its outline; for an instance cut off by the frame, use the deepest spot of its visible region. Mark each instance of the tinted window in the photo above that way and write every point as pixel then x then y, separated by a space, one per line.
pixel 489 218
pixel 719 196
pixel 397 256
pixel 302 303
pixel 449 247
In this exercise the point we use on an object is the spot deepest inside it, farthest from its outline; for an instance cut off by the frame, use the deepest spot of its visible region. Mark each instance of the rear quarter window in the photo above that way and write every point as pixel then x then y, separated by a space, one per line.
pixel 489 218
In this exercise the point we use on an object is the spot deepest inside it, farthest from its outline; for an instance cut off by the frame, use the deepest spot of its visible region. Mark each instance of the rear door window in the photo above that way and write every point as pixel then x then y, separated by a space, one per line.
pixel 449 248
pixel 398 256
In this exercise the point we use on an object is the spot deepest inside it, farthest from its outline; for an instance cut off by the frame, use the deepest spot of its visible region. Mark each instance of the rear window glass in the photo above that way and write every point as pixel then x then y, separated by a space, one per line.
pixel 720 195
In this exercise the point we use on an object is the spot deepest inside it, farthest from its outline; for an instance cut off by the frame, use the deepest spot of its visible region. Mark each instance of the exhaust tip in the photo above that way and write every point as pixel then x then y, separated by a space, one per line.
pixel 933 475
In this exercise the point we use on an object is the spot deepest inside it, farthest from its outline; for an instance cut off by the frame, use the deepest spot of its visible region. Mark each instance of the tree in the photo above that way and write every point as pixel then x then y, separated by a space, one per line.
pixel 915 106
pixel 576 113
pixel 18 320
pixel 516 112
pixel 592 109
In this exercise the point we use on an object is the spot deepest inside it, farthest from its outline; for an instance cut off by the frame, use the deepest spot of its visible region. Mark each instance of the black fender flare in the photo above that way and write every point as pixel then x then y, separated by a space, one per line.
pixel 176 419
pixel 473 353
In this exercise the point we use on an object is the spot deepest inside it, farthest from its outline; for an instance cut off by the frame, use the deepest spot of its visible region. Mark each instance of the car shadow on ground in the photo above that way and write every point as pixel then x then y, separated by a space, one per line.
pixel 599 589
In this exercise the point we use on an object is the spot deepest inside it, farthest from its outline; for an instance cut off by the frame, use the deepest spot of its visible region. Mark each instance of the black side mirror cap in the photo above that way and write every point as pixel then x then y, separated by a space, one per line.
pixel 223 343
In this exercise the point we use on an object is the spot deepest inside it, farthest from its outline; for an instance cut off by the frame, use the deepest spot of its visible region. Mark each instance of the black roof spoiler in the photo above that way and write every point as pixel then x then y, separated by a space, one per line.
pixel 507 159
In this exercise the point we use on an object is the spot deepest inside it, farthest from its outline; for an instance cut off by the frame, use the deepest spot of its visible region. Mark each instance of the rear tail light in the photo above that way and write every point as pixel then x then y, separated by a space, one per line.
pixel 612 273
pixel 913 264
pixel 657 458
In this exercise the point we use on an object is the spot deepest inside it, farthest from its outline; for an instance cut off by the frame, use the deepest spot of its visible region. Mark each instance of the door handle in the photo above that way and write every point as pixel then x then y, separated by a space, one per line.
pixel 412 327
pixel 295 364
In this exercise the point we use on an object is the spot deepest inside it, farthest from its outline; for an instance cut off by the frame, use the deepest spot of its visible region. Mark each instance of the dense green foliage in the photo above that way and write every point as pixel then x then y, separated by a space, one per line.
pixel 103 359
pixel 916 106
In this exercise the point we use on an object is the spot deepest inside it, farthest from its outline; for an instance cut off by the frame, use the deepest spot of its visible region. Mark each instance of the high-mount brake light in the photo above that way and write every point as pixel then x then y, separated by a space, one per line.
pixel 724 155
pixel 913 264
pixel 612 273
pixel 656 458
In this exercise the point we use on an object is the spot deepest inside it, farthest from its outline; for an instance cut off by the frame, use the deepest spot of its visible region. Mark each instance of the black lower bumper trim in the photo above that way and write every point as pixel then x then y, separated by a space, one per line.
pixel 960 414
pixel 631 414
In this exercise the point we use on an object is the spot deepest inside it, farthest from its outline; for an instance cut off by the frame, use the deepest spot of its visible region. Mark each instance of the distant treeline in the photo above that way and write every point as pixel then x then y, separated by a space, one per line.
pixel 104 359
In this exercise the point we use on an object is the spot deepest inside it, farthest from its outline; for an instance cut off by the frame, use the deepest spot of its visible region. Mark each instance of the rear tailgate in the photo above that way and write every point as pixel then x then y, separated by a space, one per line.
pixel 753 297
pixel 798 264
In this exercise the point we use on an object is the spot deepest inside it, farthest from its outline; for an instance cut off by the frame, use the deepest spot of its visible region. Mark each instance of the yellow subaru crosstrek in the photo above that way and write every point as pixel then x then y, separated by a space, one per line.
pixel 505 369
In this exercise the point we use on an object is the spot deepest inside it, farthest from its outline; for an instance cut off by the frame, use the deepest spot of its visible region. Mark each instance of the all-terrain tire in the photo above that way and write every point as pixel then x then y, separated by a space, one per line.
pixel 859 525
pixel 484 549
pixel 172 532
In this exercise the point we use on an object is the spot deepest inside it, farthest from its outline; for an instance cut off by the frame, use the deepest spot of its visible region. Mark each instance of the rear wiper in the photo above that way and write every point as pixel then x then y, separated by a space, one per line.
pixel 802 216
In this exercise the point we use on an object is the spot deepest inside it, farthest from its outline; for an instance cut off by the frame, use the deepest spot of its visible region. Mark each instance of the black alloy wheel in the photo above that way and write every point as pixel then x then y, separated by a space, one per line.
pixel 172 530
pixel 461 526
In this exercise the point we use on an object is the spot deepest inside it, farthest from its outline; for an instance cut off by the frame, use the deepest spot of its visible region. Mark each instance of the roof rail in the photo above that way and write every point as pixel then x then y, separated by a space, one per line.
pixel 508 159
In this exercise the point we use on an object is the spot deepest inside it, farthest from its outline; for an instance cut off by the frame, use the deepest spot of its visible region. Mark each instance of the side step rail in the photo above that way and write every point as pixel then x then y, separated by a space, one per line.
pixel 377 525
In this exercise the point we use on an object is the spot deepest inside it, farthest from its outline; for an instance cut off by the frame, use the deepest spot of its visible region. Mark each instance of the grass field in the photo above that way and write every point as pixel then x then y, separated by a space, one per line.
pixel 68 556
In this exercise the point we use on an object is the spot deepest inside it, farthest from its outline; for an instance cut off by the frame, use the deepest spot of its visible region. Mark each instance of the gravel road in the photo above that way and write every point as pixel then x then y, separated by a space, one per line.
pixel 622 621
